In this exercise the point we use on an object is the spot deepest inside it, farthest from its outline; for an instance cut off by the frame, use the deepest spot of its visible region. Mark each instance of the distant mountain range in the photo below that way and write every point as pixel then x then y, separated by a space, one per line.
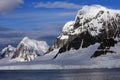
pixel 27 50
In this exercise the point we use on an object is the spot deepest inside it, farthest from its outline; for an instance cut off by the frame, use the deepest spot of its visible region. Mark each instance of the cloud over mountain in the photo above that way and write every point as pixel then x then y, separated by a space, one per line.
pixel 57 4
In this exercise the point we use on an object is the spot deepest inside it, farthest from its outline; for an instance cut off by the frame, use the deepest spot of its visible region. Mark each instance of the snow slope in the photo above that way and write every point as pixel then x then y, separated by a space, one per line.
pixel 73 59
pixel 92 40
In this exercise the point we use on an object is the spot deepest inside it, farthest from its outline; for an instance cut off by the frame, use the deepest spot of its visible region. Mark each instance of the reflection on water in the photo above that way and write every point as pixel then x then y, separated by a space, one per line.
pixel 85 74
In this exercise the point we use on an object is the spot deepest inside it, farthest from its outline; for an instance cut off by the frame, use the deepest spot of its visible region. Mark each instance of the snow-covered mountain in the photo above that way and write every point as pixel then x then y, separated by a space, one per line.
pixel 92 40
pixel 7 51
pixel 92 24
pixel 29 49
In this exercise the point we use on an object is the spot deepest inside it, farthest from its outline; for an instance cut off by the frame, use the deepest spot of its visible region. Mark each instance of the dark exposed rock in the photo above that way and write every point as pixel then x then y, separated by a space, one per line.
pixel 107 32
pixel 102 52
pixel 83 40
pixel 104 47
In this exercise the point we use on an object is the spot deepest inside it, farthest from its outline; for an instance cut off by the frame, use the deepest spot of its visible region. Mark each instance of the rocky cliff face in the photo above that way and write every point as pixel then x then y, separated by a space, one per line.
pixel 93 24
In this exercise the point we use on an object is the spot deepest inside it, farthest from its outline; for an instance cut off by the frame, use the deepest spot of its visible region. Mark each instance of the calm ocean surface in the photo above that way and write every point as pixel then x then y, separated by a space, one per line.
pixel 85 74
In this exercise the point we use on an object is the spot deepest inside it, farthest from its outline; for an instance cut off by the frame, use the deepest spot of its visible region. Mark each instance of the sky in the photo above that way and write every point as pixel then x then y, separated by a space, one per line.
pixel 40 19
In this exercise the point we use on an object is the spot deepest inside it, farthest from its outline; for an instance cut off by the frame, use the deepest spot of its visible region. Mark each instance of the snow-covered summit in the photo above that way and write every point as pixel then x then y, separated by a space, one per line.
pixel 91 11
pixel 92 24
pixel 7 51
pixel 28 49
pixel 92 18
pixel 37 45
pixel 96 11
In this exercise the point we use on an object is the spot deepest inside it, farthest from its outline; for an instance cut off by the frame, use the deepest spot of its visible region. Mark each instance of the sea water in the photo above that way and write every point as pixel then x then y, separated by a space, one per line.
pixel 74 74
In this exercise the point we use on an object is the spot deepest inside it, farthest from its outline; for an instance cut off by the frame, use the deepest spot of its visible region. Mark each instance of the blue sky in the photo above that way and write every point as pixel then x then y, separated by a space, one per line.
pixel 40 19
pixel 32 14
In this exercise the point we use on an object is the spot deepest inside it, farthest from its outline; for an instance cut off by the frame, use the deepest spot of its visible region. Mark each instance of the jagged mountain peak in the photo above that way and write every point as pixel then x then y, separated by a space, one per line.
pixel 32 43
pixel 25 38
pixel 93 10
pixel 92 7
pixel 92 24
pixel 28 49
pixel 92 18
pixel 7 51
pixel 9 47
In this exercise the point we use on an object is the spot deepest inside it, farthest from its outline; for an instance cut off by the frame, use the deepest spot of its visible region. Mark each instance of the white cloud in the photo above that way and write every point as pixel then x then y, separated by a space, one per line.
pixel 64 14
pixel 64 5
pixel 8 5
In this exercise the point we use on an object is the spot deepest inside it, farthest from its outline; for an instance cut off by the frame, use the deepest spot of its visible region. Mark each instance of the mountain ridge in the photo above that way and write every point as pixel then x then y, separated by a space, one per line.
pixel 27 50
pixel 93 24
pixel 89 41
